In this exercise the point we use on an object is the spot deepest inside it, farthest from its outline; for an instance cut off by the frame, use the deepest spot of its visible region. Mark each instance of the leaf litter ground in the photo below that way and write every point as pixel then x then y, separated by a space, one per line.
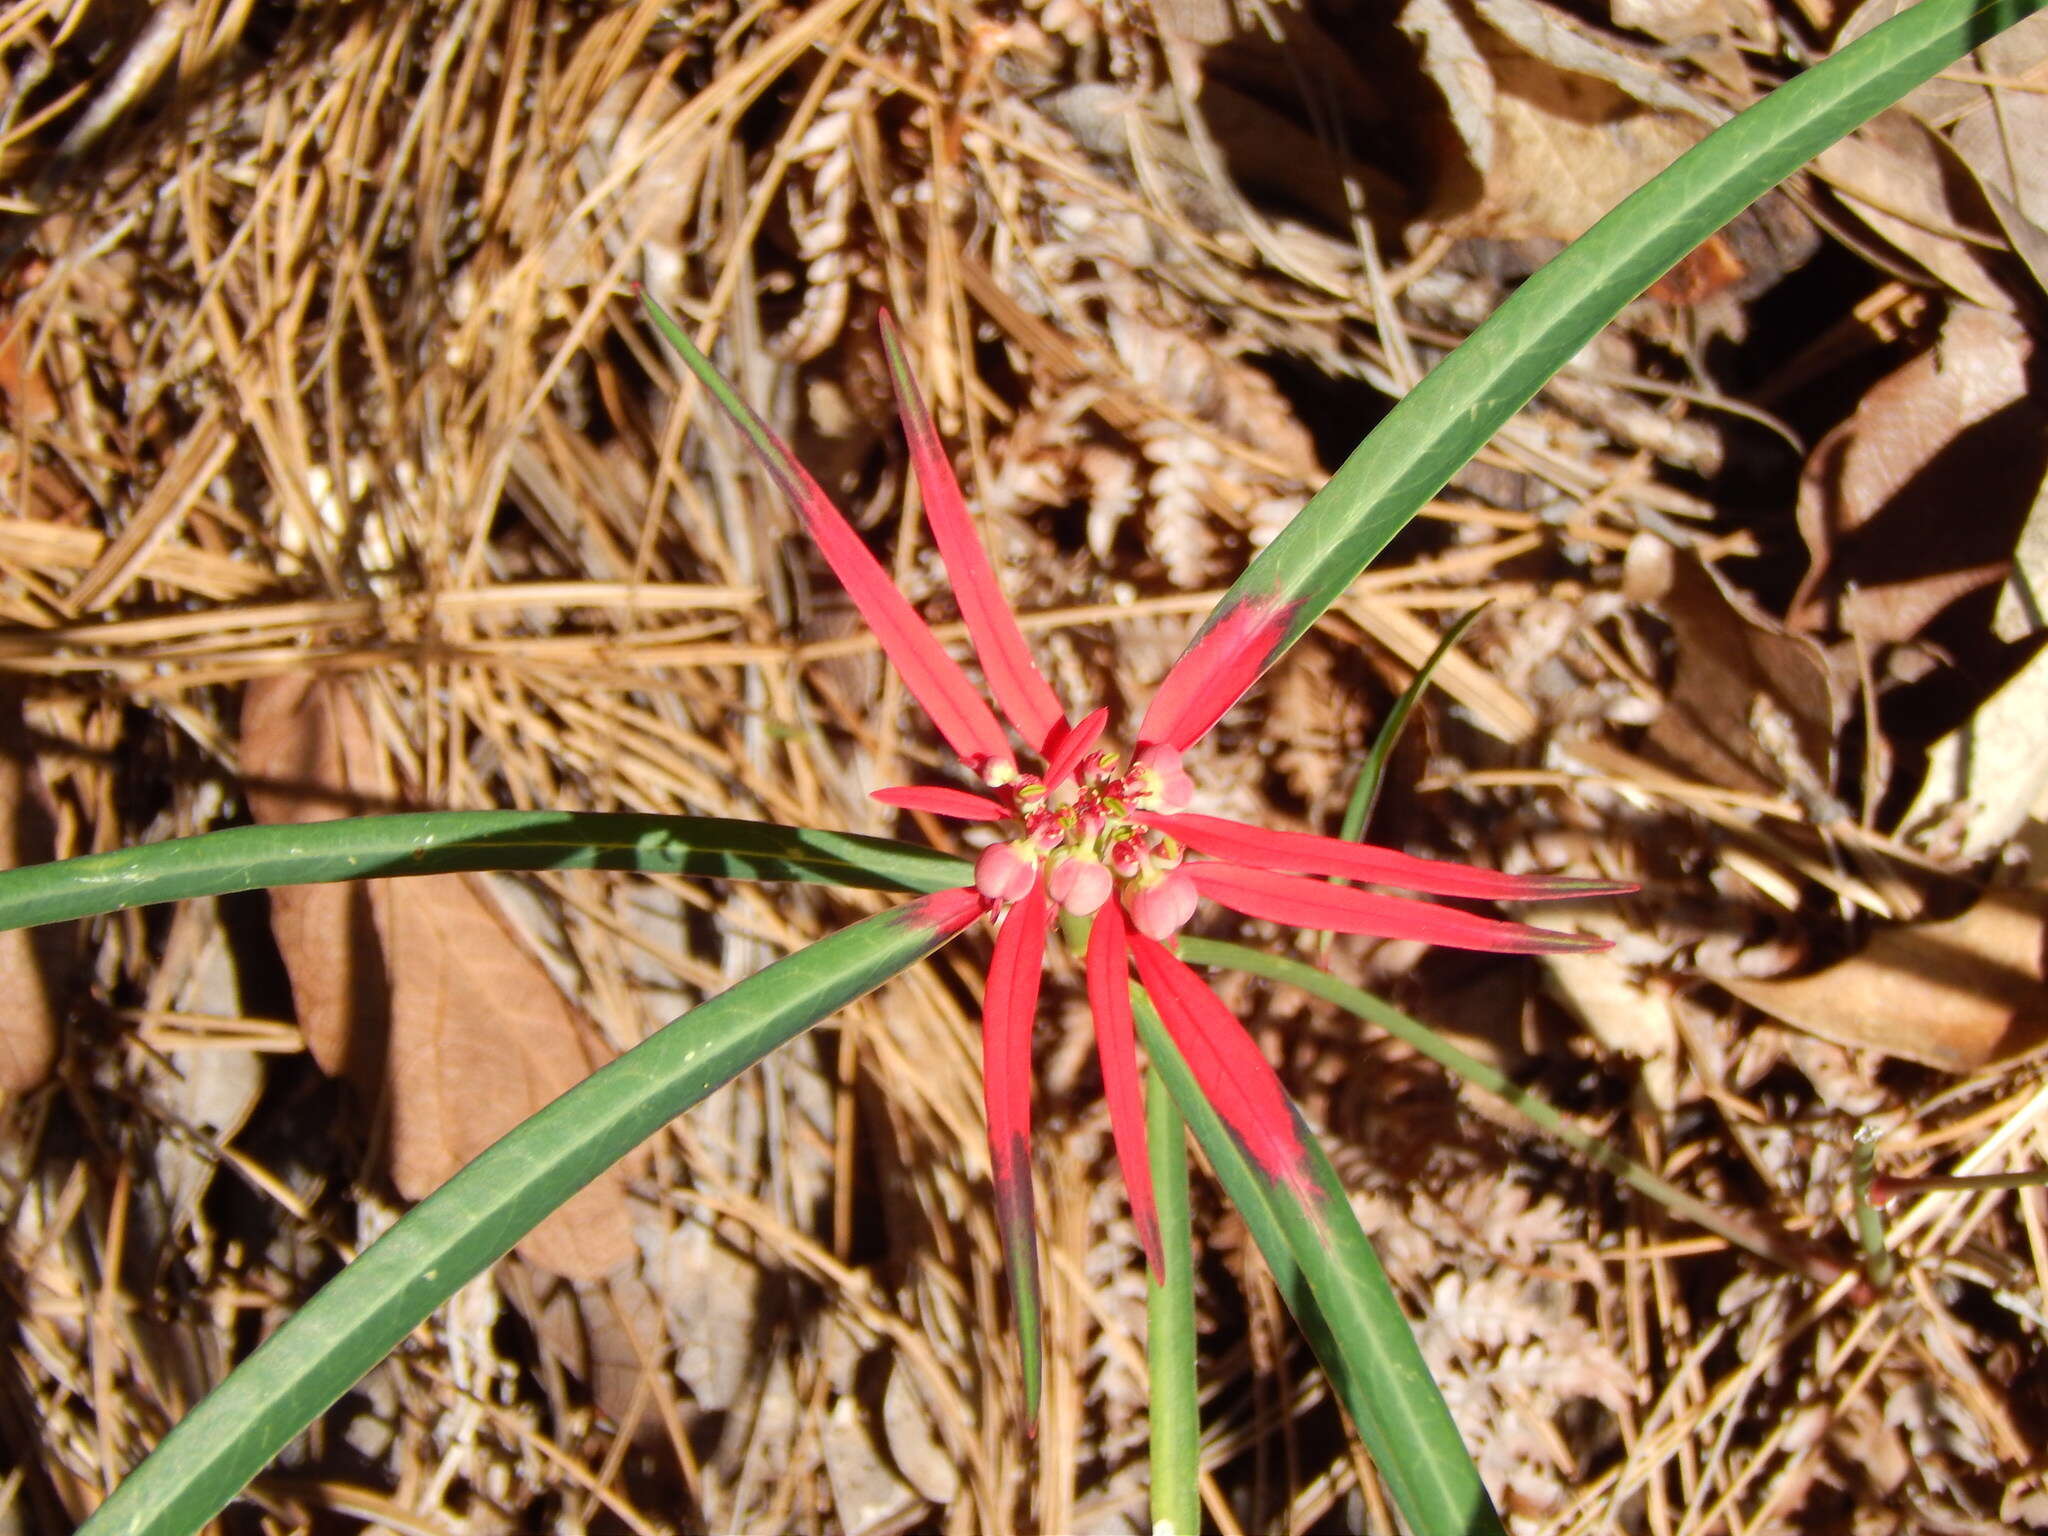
pixel 343 476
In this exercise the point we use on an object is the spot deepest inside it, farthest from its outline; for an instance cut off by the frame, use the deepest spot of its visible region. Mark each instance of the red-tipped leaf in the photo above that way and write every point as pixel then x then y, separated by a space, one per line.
pixel 934 679
pixel 1073 746
pixel 1116 1047
pixel 1300 902
pixel 1213 673
pixel 1229 1069
pixel 1307 854
pixel 940 800
pixel 1021 691
pixel 1008 1010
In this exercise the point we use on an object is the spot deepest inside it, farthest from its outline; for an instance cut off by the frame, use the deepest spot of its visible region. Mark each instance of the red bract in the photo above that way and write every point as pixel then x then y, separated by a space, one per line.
pixel 1106 838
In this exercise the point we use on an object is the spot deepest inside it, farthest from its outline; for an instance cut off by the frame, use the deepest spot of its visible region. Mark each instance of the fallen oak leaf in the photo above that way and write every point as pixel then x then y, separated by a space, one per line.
pixel 307 754
pixel 1738 669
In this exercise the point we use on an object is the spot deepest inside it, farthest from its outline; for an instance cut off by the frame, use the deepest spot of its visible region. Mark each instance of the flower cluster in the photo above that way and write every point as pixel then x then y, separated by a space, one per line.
pixel 1112 840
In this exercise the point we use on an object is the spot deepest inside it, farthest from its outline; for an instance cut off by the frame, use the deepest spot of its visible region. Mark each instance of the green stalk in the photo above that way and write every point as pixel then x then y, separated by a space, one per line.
pixel 1878 1263
pixel 1176 1425
pixel 1365 793
pixel 1326 1269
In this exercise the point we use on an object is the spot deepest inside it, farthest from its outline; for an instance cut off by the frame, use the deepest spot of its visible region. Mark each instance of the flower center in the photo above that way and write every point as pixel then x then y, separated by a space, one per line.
pixel 1078 834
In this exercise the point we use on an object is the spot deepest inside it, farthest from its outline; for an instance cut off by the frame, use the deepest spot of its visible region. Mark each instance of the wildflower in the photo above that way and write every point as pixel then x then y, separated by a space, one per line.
pixel 1112 839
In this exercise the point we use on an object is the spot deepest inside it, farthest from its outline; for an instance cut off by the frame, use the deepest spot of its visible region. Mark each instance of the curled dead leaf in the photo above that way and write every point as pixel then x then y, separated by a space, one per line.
pixel 1901 179
pixel 1987 775
pixel 1954 428
pixel 1995 122
pixel 1955 995
pixel 1568 147
pixel 1751 706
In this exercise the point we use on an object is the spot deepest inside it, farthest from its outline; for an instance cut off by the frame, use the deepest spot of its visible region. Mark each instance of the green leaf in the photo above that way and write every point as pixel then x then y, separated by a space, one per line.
pixel 1175 1409
pixel 474 1219
pixel 1332 1281
pixel 1452 413
pixel 442 842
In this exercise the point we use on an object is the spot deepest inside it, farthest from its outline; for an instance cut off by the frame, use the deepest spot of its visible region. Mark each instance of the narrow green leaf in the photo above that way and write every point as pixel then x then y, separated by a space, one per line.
pixel 1365 793
pixel 442 842
pixel 1452 413
pixel 1176 1420
pixel 1332 1281
pixel 474 1219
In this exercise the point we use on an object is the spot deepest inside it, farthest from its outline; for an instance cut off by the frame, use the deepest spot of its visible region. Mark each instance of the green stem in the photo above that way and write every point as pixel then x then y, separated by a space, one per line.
pixel 1170 1325
pixel 1877 1257
pixel 1325 1268
pixel 1365 794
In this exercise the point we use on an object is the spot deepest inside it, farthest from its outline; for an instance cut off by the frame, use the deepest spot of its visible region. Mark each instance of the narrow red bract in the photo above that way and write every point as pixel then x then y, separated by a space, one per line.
pixel 942 800
pixel 1009 1008
pixel 1020 688
pixel 1304 853
pixel 1306 903
pixel 1107 840
pixel 1073 746
pixel 1227 658
pixel 1116 1046
pixel 1230 1070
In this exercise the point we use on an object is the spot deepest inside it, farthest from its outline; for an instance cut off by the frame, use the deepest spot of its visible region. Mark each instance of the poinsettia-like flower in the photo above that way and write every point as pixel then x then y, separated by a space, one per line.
pixel 1109 837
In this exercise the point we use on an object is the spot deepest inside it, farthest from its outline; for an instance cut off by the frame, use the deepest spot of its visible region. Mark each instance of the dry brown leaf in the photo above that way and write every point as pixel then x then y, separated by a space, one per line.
pixel 2023 602
pixel 30 958
pixel 915 1445
pixel 1956 995
pixel 481 1037
pixel 1567 147
pixel 1997 129
pixel 1623 1013
pixel 866 1489
pixel 1880 495
pixel 418 990
pixel 1571 46
pixel 1899 177
pixel 1711 33
pixel 1985 776
pixel 1751 707
pixel 1554 123
pixel 609 1336
pixel 307 755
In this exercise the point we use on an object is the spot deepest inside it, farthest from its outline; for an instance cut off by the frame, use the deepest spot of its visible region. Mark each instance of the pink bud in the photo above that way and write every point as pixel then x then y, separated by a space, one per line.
pixel 1078 883
pixel 1161 906
pixel 1006 871
pixel 1174 788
